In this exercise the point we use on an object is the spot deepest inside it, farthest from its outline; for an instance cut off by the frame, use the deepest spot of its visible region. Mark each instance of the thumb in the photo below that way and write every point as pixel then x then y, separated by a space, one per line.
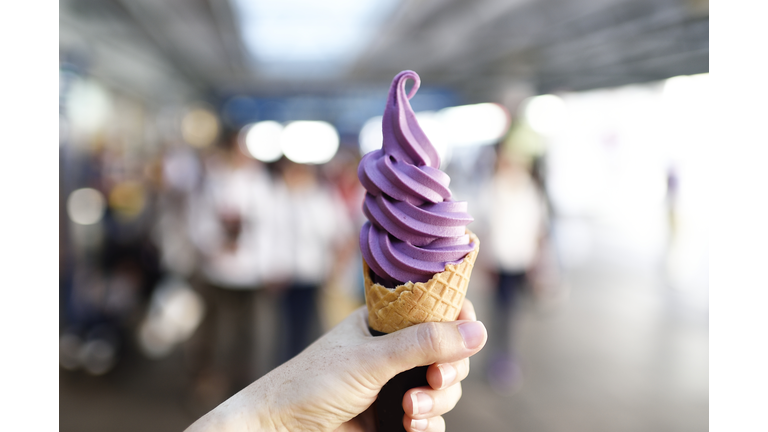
pixel 428 343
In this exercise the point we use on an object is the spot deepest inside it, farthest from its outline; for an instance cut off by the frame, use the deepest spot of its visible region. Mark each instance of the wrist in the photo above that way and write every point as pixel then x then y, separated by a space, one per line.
pixel 249 411
pixel 241 412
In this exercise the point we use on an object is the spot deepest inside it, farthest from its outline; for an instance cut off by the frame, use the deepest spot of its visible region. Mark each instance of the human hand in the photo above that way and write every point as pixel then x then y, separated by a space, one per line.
pixel 332 384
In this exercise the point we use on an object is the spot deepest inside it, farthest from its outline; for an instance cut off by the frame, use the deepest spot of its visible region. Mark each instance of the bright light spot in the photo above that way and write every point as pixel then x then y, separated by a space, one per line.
pixel 546 113
pixel 85 206
pixel 262 140
pixel 175 312
pixel 199 127
pixel 473 125
pixel 88 106
pixel 371 137
pixel 310 142
pixel 127 199
pixel 434 129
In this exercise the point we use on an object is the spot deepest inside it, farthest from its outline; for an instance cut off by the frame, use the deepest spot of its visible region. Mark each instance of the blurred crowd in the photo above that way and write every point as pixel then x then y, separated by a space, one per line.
pixel 176 239
pixel 195 246
pixel 177 244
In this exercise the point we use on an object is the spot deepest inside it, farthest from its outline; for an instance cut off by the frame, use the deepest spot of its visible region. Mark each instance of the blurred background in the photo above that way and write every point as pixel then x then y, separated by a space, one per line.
pixel 210 207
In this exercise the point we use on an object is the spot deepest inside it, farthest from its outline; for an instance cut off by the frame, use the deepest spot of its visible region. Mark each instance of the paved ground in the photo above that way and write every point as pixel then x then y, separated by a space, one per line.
pixel 625 352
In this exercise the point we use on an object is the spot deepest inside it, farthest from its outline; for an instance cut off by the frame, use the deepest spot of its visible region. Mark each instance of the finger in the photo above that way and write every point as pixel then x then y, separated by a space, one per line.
pixel 434 424
pixel 442 375
pixel 424 344
pixel 423 402
pixel 467 311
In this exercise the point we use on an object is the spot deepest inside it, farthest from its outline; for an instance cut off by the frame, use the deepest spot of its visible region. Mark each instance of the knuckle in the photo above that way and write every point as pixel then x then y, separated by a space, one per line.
pixel 451 397
pixel 431 339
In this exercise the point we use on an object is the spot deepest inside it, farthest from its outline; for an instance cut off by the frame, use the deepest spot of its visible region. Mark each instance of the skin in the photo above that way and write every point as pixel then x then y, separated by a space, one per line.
pixel 331 385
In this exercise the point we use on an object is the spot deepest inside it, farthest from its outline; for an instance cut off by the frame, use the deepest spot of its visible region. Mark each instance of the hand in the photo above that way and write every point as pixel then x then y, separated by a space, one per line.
pixel 332 384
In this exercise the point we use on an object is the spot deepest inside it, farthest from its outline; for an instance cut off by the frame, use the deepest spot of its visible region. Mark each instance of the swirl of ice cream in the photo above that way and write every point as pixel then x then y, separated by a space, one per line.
pixel 414 228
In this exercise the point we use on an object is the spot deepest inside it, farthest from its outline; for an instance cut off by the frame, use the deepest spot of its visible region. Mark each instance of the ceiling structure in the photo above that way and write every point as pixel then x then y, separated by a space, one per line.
pixel 480 49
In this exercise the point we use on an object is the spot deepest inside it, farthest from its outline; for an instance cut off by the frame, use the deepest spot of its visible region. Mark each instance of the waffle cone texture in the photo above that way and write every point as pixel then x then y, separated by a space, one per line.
pixel 438 299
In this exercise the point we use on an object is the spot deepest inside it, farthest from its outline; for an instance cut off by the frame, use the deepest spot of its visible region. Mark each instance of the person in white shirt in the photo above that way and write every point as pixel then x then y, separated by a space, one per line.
pixel 311 223
pixel 229 222
pixel 516 215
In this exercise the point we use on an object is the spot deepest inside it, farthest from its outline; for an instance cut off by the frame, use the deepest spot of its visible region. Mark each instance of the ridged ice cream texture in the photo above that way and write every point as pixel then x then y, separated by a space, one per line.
pixel 414 228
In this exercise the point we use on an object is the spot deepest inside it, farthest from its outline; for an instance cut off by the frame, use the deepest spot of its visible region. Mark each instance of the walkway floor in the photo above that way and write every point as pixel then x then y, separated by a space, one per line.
pixel 624 352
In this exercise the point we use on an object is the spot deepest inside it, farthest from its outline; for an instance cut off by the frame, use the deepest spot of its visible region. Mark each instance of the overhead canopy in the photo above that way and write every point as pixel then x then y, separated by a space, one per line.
pixel 478 48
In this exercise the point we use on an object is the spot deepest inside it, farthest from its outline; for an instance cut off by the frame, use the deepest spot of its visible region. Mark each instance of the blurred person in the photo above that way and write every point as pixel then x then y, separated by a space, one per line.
pixel 670 262
pixel 516 215
pixel 333 384
pixel 229 224
pixel 342 173
pixel 671 201
pixel 311 228
pixel 181 177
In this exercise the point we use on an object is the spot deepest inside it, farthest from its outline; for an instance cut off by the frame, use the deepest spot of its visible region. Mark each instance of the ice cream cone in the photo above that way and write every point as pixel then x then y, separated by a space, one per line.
pixel 438 299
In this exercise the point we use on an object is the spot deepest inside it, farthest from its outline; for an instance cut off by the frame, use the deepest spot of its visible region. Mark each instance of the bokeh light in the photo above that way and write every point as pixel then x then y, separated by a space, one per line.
pixel 85 206
pixel 127 199
pixel 199 127
pixel 88 106
pixel 309 142
pixel 546 113
pixel 174 313
pixel 478 124
pixel 262 140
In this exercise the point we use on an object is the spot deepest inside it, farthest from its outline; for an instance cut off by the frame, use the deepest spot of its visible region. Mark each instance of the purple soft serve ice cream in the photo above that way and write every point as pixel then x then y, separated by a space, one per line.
pixel 414 228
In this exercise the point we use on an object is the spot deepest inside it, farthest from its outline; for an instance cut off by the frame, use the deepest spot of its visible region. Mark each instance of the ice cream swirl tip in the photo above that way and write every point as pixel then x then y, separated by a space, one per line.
pixel 414 228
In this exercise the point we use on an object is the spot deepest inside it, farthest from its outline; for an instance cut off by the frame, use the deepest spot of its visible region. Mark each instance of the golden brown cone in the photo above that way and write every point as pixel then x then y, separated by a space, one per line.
pixel 438 299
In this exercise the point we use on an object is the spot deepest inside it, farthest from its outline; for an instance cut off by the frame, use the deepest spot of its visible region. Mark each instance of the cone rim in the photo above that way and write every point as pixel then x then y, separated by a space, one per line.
pixel 409 286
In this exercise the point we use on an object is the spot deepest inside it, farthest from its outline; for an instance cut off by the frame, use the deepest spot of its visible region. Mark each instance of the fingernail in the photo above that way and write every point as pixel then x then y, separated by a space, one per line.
pixel 422 403
pixel 472 332
pixel 448 372
pixel 419 424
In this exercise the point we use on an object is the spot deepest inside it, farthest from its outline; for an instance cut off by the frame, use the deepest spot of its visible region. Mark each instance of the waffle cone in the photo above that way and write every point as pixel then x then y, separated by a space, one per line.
pixel 438 299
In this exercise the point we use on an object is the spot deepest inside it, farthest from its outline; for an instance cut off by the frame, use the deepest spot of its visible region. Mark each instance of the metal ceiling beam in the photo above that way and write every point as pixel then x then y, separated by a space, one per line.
pixel 474 47
pixel 228 28
pixel 155 33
